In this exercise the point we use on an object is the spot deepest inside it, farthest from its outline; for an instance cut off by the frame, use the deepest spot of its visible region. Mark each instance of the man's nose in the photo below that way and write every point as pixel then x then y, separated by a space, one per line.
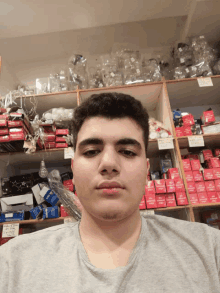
pixel 109 161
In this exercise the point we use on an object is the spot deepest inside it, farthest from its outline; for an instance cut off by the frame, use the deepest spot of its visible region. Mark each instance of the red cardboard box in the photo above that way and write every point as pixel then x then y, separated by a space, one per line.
pixel 150 187
pixel 217 184
pixel 4 138
pixel 3 131
pixel 3 110
pixel 179 131
pixel 197 175
pixel 15 123
pixel 208 117
pixel 160 186
pixel 189 176
pixel 216 173
pixel 203 197
pixel 170 200
pixel 208 174
pixel 61 145
pixel 186 165
pixel 68 184
pixel 188 120
pixel 200 187
pixel 50 145
pixel 17 136
pixel 149 196
pixel 207 154
pixel 194 198
pixel 179 185
pixel 212 197
pixel 217 152
pixel 180 195
pixel 213 162
pixel 195 164
pixel 187 130
pixel 61 139
pixel 151 204
pixel 170 185
pixel 210 186
pixel 4 116
pixel 173 173
pixel 3 123
pixel 63 213
pixel 161 201
pixel 191 187
pixel 142 205
pixel 218 194
pixel 62 131
pixel 49 137
pixel 181 198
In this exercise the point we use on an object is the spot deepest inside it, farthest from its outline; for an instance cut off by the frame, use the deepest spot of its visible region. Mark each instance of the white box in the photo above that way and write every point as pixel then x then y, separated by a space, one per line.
pixel 17 203
pixel 36 191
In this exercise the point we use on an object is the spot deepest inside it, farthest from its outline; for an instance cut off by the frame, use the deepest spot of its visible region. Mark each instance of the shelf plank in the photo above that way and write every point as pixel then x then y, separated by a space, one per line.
pixel 216 204
pixel 33 222
pixel 211 140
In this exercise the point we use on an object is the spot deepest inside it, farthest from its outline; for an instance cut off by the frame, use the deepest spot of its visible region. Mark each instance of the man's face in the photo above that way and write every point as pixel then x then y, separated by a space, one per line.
pixel 117 155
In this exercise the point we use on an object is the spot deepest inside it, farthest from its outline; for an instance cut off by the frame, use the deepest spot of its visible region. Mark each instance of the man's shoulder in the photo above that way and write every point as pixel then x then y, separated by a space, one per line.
pixel 45 237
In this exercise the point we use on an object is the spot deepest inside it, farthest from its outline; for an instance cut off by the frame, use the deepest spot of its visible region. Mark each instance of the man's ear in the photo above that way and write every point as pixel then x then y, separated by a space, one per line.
pixel 72 163
pixel 148 168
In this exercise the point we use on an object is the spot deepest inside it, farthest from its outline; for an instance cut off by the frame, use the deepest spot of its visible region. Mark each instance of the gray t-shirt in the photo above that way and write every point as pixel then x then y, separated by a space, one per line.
pixel 170 255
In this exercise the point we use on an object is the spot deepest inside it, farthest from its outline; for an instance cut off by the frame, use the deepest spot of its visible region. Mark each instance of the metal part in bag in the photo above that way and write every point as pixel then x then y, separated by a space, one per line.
pixel 66 197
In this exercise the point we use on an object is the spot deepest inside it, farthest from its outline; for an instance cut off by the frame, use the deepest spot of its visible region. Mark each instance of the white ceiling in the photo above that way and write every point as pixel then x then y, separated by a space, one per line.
pixel 38 37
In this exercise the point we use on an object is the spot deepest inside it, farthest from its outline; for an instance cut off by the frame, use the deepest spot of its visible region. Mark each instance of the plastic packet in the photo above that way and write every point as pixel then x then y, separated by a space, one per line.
pixel 58 114
pixel 151 70
pixel 77 72
pixel 111 74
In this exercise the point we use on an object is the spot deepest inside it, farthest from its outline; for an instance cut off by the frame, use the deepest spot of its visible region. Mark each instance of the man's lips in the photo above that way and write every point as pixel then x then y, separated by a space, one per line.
pixel 110 185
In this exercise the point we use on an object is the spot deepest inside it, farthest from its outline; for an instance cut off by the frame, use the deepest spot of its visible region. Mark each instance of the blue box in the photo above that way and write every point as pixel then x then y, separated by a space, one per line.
pixel 9 217
pixel 36 211
pixel 51 197
pixel 51 212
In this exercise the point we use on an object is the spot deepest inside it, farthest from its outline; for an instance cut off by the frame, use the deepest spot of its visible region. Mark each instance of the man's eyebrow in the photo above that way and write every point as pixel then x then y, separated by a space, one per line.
pixel 97 141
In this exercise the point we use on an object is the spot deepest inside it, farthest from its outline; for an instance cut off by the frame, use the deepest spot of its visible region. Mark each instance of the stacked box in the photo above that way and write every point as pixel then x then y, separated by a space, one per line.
pixel 61 136
pixel 49 136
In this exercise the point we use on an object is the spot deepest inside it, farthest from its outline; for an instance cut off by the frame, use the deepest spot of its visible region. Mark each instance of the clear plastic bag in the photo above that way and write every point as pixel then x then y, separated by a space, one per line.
pixel 58 114
pixel 77 72
pixel 151 70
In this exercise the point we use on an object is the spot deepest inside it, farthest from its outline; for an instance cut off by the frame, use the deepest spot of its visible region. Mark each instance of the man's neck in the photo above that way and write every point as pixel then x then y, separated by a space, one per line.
pixel 108 237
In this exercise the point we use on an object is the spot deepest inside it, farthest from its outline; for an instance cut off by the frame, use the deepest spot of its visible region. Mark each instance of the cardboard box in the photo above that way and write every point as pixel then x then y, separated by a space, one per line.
pixel 17 203
pixel 4 138
pixel 10 217
pixel 181 198
pixel 210 186
pixel 170 200
pixel 207 154
pixel 203 197
pixel 36 189
pixel 213 163
pixel 189 176
pixel 63 213
pixel 170 185
pixel 200 187
pixel 2 110
pixel 150 186
pixel 62 131
pixel 217 184
pixel 61 145
pixel 191 187
pixel 195 164
pixel 173 173
pixel 216 173
pixel 179 131
pixel 49 137
pixel 35 212
pixel 61 139
pixel 50 145
pixel 187 131
pixel 49 196
pixel 186 165
pixel 208 174
pixel 3 131
pixel 197 175
pixel 194 198
pixel 217 152
pixel 179 185
pixel 188 120
pixel 160 186
pixel 4 116
pixel 149 196
pixel 3 123
pixel 51 212
pixel 151 204
pixel 161 201
pixel 208 117
pixel 142 205
pixel 17 136
pixel 212 197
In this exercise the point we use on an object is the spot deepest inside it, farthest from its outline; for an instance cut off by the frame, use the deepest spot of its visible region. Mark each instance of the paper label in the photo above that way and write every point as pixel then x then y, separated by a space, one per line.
pixel 68 153
pixel 9 215
pixel 10 230
pixel 205 81
pixel 196 141
pixel 165 143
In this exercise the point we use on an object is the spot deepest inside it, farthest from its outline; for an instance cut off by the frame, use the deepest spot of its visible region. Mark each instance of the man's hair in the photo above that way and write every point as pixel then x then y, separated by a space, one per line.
pixel 111 106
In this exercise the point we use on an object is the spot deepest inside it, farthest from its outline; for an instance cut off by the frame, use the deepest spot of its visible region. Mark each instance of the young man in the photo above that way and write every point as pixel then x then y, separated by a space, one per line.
pixel 112 248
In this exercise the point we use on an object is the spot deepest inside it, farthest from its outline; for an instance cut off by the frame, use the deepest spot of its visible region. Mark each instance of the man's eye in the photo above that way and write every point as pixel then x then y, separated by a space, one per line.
pixel 129 153
pixel 91 153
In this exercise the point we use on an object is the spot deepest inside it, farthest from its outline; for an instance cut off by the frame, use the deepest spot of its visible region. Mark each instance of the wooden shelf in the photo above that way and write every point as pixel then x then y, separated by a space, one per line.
pixel 206 205
pixel 211 140
pixel 33 222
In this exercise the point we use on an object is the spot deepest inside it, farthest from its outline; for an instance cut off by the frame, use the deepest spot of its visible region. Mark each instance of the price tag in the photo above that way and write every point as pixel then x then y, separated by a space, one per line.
pixel 10 230
pixel 165 143
pixel 205 81
pixel 68 153
pixel 196 141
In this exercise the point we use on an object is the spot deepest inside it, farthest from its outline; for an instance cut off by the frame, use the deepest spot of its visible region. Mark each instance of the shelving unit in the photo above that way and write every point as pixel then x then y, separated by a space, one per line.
pixel 159 98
